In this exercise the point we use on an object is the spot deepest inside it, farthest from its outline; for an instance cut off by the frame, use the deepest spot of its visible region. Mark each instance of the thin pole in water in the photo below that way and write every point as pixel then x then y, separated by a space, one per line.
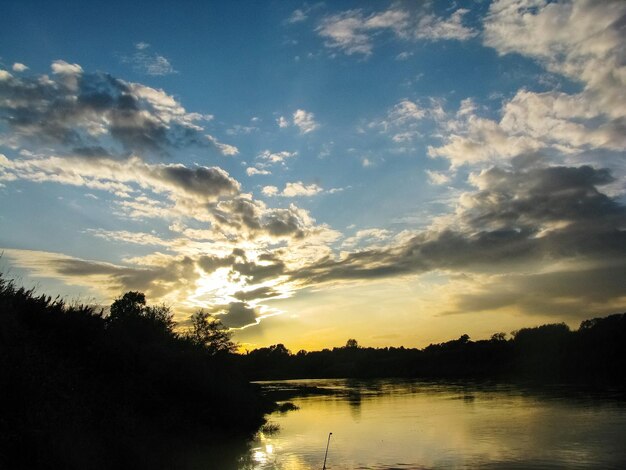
pixel 326 454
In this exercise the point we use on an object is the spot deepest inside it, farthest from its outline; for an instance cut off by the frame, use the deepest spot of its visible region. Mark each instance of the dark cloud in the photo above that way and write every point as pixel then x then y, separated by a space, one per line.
pixel 80 110
pixel 259 272
pixel 201 181
pixel 154 281
pixel 575 293
pixel 210 263
pixel 240 265
pixel 525 199
pixel 238 315
pixel 252 219
pixel 285 222
pixel 517 219
pixel 256 294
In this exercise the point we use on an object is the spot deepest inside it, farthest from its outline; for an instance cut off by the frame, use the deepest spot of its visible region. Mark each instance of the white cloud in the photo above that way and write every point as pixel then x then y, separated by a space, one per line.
pixel 300 189
pixel 270 190
pixel 352 31
pixel 276 157
pixel 149 63
pixel 405 111
pixel 404 55
pixel 199 184
pixel 4 75
pixel 64 68
pixel 402 121
pixel 433 28
pixel 18 67
pixel 225 149
pixel 282 122
pixel 297 16
pixel 293 189
pixel 345 32
pixel 580 39
pixel 251 171
pixel 305 121
pixel 366 237
pixel 437 177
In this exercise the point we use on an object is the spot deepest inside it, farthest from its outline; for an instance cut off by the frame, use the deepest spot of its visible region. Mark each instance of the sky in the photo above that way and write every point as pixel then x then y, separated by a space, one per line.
pixel 401 172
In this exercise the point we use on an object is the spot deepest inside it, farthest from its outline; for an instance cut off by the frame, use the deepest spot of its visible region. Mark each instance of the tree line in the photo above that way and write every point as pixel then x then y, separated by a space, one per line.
pixel 594 354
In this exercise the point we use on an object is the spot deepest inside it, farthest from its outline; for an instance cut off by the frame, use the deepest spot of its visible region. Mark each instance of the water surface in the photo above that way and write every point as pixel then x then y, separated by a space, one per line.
pixel 395 424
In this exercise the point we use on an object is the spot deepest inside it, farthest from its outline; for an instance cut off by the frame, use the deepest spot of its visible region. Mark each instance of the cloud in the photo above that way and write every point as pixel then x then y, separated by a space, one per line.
pixel 404 55
pixel 258 293
pixel 568 124
pixel 297 16
pixel 251 171
pixel 366 237
pixel 244 218
pixel 270 191
pixel 225 149
pixel 572 293
pixel 437 177
pixel 239 315
pixel 18 67
pixel 276 157
pixel 433 28
pixel 352 31
pixel 149 63
pixel 298 188
pixel 200 184
pixel 168 279
pixel 61 67
pixel 282 122
pixel 207 194
pixel 305 121
pixel 581 40
pixel 80 110
pixel 347 32
pixel 528 219
pixel 402 121
pixel 293 189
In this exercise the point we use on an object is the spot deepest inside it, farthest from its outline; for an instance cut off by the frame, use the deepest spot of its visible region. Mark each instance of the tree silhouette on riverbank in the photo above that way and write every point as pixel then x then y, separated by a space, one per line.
pixel 83 389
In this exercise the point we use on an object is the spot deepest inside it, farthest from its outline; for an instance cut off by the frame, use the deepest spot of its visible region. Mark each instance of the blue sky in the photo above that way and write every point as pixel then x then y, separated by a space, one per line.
pixel 402 172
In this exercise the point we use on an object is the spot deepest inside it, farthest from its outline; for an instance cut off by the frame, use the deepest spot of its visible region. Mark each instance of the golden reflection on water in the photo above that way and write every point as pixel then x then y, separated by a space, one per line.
pixel 387 424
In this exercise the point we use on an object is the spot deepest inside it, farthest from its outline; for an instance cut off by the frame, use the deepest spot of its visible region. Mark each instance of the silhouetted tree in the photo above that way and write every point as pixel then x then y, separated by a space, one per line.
pixel 352 343
pixel 131 309
pixel 501 336
pixel 209 332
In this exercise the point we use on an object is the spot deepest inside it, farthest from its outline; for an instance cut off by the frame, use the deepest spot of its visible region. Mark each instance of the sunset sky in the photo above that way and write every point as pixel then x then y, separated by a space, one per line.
pixel 396 172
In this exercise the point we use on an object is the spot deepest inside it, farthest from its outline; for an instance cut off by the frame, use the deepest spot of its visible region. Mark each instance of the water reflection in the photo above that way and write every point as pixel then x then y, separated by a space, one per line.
pixel 405 424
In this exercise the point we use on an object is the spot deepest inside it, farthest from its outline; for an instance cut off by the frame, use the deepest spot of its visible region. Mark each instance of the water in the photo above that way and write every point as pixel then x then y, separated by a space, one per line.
pixel 393 424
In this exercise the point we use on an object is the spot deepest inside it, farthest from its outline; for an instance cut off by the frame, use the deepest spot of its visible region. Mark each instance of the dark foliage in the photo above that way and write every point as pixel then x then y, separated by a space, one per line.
pixel 595 354
pixel 79 389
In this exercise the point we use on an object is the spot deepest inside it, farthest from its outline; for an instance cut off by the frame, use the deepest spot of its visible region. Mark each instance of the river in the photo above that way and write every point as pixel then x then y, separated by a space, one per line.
pixel 399 424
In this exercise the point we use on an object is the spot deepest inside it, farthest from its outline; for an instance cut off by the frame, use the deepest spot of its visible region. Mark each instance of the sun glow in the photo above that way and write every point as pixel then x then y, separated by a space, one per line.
pixel 218 287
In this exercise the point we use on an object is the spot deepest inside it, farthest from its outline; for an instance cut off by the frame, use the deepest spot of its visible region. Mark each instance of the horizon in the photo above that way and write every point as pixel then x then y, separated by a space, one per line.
pixel 396 172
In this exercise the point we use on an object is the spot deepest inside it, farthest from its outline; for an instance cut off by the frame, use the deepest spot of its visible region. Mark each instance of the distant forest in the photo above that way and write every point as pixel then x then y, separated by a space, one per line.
pixel 595 354
pixel 87 388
